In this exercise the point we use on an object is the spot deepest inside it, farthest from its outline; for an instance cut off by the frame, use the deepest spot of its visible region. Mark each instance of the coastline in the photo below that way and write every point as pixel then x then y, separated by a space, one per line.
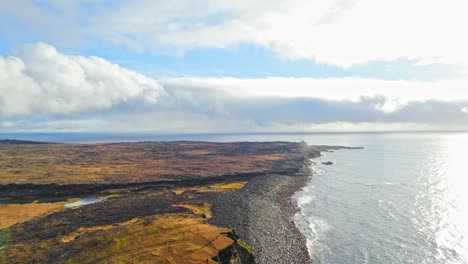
pixel 241 187
pixel 262 213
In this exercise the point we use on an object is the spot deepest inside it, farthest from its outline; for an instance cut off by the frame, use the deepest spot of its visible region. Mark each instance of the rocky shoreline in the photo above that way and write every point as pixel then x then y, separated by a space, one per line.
pixel 262 214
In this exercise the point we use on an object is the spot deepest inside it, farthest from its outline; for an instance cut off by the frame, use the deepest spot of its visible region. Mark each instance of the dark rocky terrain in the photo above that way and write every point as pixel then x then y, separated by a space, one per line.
pixel 262 214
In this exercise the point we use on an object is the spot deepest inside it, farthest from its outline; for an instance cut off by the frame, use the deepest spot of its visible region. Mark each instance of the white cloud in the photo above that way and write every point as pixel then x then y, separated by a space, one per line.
pixel 341 32
pixel 397 93
pixel 38 79
pixel 43 89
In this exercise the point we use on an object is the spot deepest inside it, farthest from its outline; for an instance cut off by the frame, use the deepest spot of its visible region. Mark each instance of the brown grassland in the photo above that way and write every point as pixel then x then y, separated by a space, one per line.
pixel 161 219
pixel 134 162
pixel 11 214
pixel 182 237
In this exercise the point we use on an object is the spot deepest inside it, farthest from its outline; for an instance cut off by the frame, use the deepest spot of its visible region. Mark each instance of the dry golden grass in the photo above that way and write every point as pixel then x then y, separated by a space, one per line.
pixel 83 230
pixel 169 238
pixel 200 210
pixel 173 238
pixel 228 186
pixel 131 162
pixel 197 152
pixel 218 187
pixel 11 214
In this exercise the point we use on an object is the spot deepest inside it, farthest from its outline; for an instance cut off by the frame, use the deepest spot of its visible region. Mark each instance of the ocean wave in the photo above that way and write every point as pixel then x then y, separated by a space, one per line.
pixel 304 199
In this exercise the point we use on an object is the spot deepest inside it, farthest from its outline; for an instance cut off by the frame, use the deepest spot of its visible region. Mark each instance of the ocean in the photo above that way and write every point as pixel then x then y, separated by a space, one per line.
pixel 401 199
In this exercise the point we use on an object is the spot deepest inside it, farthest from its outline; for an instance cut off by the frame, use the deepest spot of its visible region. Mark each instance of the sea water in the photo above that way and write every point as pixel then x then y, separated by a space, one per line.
pixel 401 199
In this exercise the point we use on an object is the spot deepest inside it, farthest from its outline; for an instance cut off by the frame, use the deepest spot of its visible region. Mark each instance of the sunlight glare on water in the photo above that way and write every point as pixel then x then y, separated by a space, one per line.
pixel 450 200
pixel 403 199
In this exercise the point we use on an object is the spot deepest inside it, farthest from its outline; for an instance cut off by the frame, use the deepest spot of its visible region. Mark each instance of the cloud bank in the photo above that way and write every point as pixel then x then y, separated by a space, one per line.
pixel 39 80
pixel 43 89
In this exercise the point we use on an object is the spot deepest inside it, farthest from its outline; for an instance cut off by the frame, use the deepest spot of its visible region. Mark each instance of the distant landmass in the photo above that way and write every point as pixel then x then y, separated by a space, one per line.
pixel 14 141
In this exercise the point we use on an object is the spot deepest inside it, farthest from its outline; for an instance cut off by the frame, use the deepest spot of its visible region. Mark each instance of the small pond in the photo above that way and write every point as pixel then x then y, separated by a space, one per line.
pixel 84 201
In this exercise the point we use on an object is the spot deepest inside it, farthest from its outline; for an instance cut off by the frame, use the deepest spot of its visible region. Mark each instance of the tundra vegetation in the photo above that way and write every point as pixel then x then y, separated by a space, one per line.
pixel 157 199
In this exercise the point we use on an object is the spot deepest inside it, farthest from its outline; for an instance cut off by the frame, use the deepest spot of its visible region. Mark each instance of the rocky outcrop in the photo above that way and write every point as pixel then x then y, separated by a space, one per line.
pixel 237 253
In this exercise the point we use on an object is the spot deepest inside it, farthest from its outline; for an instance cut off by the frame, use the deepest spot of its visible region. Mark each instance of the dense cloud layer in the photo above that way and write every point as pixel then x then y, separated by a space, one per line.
pixel 340 32
pixel 39 80
pixel 268 111
pixel 43 89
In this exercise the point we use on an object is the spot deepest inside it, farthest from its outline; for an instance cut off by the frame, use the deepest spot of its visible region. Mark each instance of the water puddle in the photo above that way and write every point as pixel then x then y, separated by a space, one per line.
pixel 84 201
pixel 73 202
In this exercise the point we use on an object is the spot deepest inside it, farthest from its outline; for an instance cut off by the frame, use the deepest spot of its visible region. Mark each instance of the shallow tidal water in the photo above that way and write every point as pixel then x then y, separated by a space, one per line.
pixel 402 199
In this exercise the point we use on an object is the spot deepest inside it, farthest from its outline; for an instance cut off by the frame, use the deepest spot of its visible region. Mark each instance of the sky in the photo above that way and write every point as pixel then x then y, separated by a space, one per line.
pixel 233 66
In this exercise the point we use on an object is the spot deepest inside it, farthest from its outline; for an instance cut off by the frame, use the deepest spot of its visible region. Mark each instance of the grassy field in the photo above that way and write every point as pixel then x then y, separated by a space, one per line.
pixel 173 238
pixel 134 162
pixel 149 223
pixel 184 237
pixel 11 214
